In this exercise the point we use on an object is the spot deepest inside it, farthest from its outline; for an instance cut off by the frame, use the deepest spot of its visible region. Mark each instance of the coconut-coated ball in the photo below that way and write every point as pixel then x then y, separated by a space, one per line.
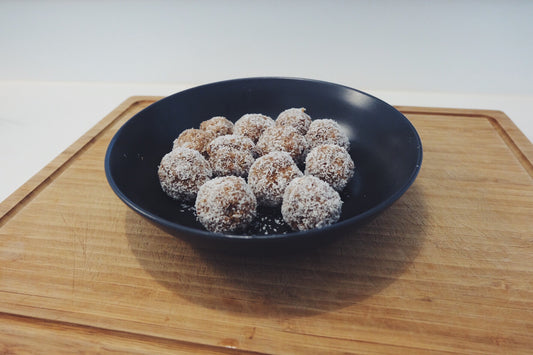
pixel 326 131
pixel 270 175
pixel 231 155
pixel 295 117
pixel 182 172
pixel 285 139
pixel 309 203
pixel 252 125
pixel 331 163
pixel 194 139
pixel 217 126
pixel 226 204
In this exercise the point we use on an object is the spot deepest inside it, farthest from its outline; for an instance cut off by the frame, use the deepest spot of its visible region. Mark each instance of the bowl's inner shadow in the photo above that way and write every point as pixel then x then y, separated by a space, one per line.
pixel 352 268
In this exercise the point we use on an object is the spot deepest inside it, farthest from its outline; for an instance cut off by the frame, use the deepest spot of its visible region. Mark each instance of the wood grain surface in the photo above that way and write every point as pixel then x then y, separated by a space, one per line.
pixel 447 269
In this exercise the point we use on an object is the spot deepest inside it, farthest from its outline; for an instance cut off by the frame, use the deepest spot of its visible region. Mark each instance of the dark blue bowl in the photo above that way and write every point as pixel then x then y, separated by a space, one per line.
pixel 385 147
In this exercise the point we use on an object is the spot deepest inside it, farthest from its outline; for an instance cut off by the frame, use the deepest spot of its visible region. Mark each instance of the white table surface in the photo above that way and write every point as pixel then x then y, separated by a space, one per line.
pixel 38 120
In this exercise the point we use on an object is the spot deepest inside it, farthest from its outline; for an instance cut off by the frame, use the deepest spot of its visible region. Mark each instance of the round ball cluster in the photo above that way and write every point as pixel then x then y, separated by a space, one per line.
pixel 182 172
pixel 209 165
pixel 331 163
pixel 270 175
pixel 226 204
pixel 309 203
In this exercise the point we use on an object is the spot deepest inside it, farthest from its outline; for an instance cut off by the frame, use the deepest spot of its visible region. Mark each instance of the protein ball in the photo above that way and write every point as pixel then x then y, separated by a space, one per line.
pixel 252 125
pixel 309 203
pixel 326 131
pixel 194 139
pixel 285 139
pixel 231 162
pixel 217 126
pixel 232 141
pixel 231 155
pixel 270 175
pixel 182 172
pixel 226 204
pixel 331 163
pixel 295 117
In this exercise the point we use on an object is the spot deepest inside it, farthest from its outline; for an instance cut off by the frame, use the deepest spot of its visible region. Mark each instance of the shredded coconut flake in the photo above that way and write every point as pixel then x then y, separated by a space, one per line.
pixel 230 161
pixel 252 125
pixel 270 175
pixel 231 155
pixel 226 204
pixel 326 131
pixel 217 126
pixel 232 141
pixel 194 139
pixel 295 117
pixel 285 139
pixel 182 172
pixel 309 203
pixel 331 163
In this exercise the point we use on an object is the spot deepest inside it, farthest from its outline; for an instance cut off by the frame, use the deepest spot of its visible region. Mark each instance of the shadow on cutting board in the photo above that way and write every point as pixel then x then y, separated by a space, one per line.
pixel 335 276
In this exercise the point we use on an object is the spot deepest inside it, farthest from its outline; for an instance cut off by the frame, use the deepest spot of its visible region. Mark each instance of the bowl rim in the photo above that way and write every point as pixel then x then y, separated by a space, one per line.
pixel 259 237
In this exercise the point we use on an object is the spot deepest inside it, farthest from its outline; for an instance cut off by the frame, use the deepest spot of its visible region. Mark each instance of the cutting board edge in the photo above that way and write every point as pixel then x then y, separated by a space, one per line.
pixel 39 180
pixel 513 137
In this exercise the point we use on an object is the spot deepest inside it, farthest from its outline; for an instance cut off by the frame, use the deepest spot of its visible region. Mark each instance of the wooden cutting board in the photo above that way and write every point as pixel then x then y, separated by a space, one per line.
pixel 447 269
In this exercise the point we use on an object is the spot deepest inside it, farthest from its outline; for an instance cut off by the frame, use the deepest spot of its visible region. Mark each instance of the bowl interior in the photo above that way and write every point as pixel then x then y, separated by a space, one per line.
pixel 385 147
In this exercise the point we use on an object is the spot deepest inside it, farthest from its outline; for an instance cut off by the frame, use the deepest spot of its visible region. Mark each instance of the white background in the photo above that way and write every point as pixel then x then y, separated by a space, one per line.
pixel 65 64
